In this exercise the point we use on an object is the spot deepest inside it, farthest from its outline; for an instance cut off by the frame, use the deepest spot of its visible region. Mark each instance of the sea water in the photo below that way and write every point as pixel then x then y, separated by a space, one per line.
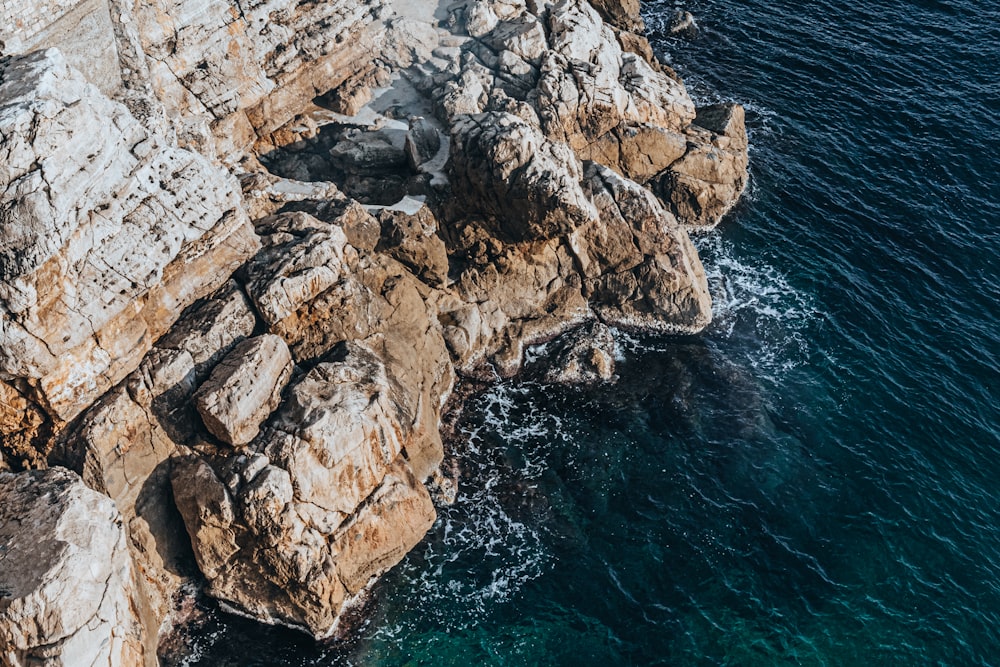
pixel 813 481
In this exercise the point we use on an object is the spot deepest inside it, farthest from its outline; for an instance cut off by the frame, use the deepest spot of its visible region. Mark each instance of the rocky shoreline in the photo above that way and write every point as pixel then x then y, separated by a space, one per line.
pixel 245 258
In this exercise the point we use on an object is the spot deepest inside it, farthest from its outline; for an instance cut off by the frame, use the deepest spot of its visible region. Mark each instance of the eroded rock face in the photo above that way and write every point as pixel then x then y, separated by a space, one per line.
pixel 318 507
pixel 108 232
pixel 526 168
pixel 67 592
pixel 708 181
pixel 229 73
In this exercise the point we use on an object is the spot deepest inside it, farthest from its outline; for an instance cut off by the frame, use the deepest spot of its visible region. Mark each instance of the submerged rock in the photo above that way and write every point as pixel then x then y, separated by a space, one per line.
pixel 584 356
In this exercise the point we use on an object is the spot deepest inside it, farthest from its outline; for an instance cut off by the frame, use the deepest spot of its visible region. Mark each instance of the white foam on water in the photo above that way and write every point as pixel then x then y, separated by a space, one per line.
pixel 483 553
pixel 755 302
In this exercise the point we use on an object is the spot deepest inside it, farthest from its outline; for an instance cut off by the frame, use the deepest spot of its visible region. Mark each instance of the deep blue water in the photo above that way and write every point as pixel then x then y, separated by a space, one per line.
pixel 814 480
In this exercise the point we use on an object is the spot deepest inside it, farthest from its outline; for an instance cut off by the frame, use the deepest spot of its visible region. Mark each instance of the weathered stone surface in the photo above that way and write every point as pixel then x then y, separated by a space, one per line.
pixel 423 141
pixel 551 117
pixel 231 72
pixel 640 267
pixel 213 328
pixel 244 389
pixel 708 181
pixel 108 233
pixel 529 185
pixel 584 356
pixel 67 589
pixel 124 444
pixel 413 240
pixel 320 505
pixel 301 258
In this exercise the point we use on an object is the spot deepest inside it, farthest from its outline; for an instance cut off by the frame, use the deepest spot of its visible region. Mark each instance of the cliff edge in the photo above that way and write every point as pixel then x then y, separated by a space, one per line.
pixel 248 248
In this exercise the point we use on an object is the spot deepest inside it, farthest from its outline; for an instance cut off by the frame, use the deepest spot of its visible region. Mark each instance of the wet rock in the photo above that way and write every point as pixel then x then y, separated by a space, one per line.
pixel 682 24
pixel 584 356
pixel 244 389
pixel 67 588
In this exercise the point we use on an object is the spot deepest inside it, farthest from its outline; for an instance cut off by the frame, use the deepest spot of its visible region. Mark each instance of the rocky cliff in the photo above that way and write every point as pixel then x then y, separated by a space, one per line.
pixel 247 247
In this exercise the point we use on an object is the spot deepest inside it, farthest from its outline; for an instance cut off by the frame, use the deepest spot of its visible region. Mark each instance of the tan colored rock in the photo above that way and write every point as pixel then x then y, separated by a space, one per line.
pixel 325 502
pixel 622 14
pixel 67 589
pixel 124 444
pixel 413 240
pixel 244 389
pixel 508 170
pixel 108 234
pixel 641 270
pixel 301 259
pixel 213 328
pixel 229 73
pixel 707 182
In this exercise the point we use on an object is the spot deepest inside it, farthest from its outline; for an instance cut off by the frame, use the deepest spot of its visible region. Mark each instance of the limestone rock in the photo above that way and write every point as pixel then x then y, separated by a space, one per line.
pixel 212 328
pixel 708 181
pixel 530 185
pixel 413 241
pixel 423 141
pixel 231 72
pixel 323 503
pixel 123 445
pixel 67 593
pixel 622 14
pixel 109 233
pixel 301 259
pixel 641 269
pixel 584 356
pixel 244 389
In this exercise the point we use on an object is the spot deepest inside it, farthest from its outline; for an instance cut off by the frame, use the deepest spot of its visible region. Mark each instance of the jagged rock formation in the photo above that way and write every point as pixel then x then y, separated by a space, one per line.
pixel 108 233
pixel 67 594
pixel 431 187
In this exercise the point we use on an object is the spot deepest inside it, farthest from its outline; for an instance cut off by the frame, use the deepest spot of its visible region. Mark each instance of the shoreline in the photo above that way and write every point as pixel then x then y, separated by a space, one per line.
pixel 272 355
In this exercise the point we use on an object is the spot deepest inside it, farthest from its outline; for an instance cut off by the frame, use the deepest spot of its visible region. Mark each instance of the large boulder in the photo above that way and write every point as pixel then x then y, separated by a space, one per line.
pixel 244 389
pixel 67 590
pixel 708 180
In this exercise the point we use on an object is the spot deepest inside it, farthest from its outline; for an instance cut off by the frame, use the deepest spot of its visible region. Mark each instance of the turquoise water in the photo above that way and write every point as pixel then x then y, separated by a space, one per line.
pixel 811 482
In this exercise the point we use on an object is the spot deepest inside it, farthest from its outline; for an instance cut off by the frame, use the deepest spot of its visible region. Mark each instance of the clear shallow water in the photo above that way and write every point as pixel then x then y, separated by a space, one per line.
pixel 812 482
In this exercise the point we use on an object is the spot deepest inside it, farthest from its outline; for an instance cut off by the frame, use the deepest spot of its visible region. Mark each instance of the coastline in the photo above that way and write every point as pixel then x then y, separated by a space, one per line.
pixel 271 354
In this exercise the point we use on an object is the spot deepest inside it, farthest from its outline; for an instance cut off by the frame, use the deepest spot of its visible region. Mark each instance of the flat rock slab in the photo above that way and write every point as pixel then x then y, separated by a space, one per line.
pixel 244 389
